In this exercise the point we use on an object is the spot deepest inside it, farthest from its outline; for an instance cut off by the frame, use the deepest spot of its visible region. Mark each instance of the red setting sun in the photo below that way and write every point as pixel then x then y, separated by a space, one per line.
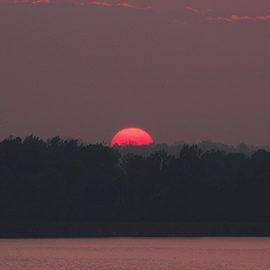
pixel 134 136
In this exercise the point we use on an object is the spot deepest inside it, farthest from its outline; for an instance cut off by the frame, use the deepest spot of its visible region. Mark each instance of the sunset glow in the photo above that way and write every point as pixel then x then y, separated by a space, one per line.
pixel 183 71
pixel 134 136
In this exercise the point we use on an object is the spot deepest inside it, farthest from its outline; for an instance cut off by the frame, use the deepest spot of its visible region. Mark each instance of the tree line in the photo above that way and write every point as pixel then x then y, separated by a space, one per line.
pixel 63 181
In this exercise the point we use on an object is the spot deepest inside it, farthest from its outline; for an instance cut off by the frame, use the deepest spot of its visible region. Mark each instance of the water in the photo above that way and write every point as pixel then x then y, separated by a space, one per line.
pixel 136 253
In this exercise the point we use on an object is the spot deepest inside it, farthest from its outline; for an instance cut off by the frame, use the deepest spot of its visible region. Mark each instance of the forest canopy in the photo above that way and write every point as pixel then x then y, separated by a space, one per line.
pixel 63 181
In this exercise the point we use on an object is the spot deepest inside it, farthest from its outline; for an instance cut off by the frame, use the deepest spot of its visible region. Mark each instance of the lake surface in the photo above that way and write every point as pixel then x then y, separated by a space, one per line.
pixel 136 253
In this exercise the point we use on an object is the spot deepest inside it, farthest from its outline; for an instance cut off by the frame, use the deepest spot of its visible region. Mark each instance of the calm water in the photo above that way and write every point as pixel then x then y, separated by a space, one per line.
pixel 136 253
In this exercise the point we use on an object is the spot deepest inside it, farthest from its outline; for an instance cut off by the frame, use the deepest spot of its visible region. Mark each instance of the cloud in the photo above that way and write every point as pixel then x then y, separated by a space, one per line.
pixel 197 11
pixel 99 3
pixel 126 5
pixel 40 1
pixel 219 19
pixel 266 18
pixel 193 9
pixel 237 18
pixel 109 5
pixel 90 3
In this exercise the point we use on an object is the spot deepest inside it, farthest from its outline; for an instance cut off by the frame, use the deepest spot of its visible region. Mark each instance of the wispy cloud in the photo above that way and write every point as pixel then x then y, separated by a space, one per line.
pixel 237 18
pixel 193 9
pixel 198 11
pixel 99 3
pixel 109 5
pixel 83 3
pixel 126 5
pixel 40 1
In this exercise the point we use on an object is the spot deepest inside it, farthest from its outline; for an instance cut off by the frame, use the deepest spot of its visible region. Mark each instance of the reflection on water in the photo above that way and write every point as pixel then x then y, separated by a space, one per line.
pixel 136 253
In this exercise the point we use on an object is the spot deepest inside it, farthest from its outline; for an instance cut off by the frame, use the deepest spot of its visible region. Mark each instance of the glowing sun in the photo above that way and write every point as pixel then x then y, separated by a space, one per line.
pixel 133 135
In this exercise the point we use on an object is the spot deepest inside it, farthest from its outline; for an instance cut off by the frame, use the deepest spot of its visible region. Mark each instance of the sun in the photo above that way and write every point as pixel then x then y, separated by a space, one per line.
pixel 132 136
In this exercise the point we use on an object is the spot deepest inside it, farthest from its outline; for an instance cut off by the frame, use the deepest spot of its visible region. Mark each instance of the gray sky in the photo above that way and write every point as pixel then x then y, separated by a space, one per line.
pixel 180 70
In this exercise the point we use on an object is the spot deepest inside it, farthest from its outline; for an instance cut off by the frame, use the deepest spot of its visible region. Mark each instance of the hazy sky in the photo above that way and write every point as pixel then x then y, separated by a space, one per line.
pixel 180 70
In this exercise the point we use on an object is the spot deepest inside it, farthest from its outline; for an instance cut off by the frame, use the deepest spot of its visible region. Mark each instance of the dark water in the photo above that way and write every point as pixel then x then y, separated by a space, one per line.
pixel 136 253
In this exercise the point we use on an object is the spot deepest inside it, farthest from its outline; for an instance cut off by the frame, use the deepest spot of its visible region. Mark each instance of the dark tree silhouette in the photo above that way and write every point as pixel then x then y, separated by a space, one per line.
pixel 64 181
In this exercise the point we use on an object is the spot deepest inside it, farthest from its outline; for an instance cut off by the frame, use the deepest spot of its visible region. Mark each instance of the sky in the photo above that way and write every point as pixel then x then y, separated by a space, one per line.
pixel 181 70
